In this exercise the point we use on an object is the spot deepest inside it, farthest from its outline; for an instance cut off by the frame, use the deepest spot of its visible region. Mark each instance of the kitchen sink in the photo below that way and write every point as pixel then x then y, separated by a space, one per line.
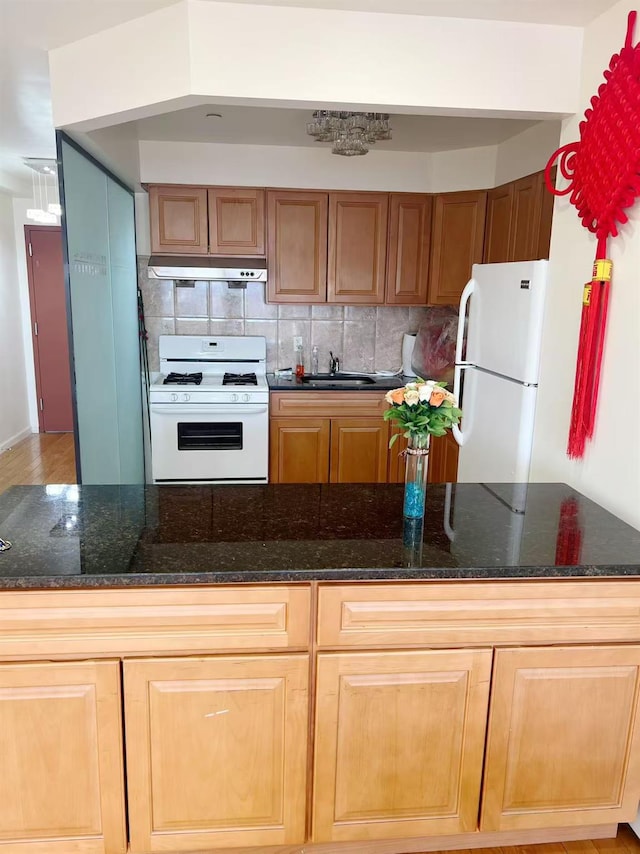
pixel 337 379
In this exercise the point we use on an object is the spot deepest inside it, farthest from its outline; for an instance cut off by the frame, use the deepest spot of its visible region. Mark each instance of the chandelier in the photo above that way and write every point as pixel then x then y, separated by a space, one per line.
pixel 350 133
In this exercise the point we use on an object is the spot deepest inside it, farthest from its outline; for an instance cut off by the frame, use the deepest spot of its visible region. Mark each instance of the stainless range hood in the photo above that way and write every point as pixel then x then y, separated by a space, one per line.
pixel 220 269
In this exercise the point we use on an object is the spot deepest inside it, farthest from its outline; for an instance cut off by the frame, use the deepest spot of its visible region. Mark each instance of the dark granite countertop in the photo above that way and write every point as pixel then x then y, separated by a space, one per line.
pixel 379 384
pixel 113 536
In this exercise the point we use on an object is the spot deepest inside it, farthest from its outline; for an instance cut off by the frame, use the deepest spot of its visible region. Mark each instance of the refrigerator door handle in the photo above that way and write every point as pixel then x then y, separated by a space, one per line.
pixel 469 288
pixel 462 316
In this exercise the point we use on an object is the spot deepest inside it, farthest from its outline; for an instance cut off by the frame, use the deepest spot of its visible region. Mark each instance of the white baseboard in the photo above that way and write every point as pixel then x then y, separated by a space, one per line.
pixel 18 437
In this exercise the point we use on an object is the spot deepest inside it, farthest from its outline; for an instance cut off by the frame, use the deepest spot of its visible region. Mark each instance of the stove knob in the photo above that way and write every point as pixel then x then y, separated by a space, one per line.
pixel 234 397
pixel 186 397
pixel 174 396
pixel 246 398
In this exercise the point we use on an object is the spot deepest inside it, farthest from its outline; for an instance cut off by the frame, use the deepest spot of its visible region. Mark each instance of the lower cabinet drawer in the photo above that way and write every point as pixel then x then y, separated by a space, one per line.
pixel 153 621
pixel 470 612
pixel 216 751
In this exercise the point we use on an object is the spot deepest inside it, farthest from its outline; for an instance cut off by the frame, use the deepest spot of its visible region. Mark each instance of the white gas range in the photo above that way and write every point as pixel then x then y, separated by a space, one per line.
pixel 210 410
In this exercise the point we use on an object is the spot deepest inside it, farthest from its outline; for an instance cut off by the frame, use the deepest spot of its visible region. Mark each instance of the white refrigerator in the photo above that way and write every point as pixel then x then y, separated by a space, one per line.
pixel 496 374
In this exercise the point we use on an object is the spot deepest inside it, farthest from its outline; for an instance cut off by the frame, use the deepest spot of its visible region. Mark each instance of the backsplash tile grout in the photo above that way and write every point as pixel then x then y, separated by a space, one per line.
pixel 365 338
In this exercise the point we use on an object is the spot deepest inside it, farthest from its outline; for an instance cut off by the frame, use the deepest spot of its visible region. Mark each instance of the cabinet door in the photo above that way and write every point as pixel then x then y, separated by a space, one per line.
pixel 546 215
pixel 178 217
pixel 297 239
pixel 397 464
pixel 216 751
pixel 409 240
pixel 357 247
pixel 456 243
pixel 359 450
pixel 563 747
pixel 236 221
pixel 61 755
pixel 443 459
pixel 299 450
pixel 497 235
pixel 399 743
pixel 525 223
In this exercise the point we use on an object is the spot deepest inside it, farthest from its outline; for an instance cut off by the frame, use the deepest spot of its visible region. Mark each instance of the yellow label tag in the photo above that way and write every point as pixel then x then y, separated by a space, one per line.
pixel 602 269
pixel 586 295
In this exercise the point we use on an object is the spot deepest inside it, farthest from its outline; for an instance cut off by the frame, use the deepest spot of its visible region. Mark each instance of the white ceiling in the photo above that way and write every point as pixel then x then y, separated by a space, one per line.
pixel 273 126
pixel 28 28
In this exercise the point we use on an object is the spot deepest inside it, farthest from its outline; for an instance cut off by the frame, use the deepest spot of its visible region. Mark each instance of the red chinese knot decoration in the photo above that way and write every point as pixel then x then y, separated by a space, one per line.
pixel 603 169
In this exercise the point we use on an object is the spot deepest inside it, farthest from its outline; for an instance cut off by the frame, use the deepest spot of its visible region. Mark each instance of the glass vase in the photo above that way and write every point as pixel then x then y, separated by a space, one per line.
pixel 415 478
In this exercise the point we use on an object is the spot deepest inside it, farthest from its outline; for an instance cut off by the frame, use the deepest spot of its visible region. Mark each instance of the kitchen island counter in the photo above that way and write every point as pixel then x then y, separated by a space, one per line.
pixel 130 536
pixel 282 667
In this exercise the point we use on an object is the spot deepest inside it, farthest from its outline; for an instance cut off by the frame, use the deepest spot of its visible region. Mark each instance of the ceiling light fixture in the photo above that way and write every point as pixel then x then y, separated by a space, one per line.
pixel 350 133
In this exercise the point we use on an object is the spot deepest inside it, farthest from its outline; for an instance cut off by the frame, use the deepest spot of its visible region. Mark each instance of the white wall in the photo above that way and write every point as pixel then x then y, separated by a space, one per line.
pixel 14 413
pixel 243 53
pixel 464 169
pixel 281 166
pixel 610 470
pixel 527 152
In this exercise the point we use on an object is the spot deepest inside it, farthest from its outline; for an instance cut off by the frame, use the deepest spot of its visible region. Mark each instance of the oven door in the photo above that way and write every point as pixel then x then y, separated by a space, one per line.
pixel 210 442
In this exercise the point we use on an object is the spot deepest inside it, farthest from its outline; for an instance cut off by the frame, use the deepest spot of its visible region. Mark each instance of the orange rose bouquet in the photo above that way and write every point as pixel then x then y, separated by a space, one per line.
pixel 422 408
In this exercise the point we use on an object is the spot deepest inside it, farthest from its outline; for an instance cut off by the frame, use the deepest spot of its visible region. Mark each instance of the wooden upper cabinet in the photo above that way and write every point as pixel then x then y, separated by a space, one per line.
pixel 456 243
pixel 563 746
pixel 408 251
pixel 497 235
pixel 297 246
pixel 236 221
pixel 62 778
pixel 178 218
pixel 546 215
pixel 216 751
pixel 357 248
pixel 525 225
pixel 399 743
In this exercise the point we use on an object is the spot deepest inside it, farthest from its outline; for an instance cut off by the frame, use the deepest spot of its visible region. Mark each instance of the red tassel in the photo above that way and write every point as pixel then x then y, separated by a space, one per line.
pixel 569 539
pixel 595 305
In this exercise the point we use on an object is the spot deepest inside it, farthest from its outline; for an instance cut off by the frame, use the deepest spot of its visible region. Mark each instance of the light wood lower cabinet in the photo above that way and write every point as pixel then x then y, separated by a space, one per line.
pixel 563 745
pixel 216 751
pixel 399 743
pixel 61 766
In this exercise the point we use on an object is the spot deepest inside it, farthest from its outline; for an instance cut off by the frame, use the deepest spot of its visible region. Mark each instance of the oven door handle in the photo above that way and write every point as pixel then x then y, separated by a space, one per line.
pixel 212 409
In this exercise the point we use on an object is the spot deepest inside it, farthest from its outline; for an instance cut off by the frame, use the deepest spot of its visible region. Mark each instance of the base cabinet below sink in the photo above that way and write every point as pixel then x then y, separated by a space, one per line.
pixel 341 437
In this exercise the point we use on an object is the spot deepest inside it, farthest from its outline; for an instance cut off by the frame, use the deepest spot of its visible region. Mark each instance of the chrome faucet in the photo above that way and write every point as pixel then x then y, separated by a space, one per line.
pixel 334 363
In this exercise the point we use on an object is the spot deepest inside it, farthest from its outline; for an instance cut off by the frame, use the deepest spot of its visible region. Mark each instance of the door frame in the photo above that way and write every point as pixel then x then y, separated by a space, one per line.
pixel 28 231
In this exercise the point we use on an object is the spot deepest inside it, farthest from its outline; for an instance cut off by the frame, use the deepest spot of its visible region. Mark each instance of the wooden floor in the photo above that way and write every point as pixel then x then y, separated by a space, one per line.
pixel 626 842
pixel 38 459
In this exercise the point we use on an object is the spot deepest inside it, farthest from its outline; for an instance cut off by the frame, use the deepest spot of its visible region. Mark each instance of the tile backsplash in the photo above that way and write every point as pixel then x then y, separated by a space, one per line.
pixel 365 338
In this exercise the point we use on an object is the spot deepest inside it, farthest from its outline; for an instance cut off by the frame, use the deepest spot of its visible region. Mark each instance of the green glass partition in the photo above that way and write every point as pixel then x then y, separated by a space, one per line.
pixel 99 237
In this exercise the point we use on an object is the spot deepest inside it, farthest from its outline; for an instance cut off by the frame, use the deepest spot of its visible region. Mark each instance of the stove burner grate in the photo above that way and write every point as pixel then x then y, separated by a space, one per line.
pixel 239 379
pixel 182 379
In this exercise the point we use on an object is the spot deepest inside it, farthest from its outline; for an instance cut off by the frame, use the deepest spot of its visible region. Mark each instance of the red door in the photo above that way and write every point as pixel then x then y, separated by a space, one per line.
pixel 49 328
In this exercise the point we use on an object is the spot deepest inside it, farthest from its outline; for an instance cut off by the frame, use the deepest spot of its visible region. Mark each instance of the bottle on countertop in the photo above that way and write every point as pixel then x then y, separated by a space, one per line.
pixel 299 363
pixel 314 359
